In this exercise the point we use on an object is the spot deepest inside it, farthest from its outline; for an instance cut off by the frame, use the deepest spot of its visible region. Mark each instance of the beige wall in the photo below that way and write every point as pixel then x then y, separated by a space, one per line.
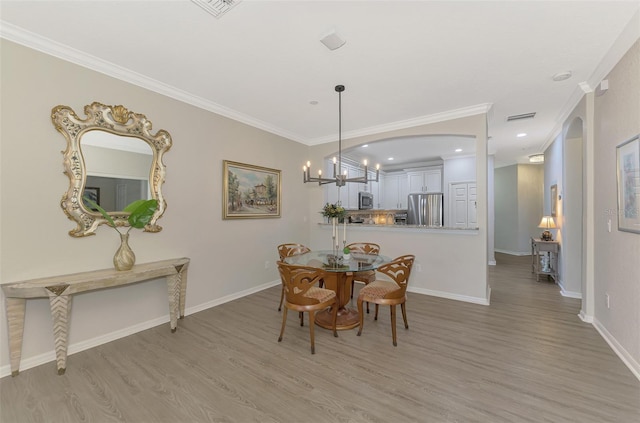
pixel 34 240
pixel 519 196
pixel 617 264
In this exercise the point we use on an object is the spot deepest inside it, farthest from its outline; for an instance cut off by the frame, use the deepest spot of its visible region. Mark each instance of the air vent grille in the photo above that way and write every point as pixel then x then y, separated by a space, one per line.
pixel 522 116
pixel 216 7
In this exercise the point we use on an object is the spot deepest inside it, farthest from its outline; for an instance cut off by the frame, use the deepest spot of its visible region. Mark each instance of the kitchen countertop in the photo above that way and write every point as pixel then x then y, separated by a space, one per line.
pixel 414 228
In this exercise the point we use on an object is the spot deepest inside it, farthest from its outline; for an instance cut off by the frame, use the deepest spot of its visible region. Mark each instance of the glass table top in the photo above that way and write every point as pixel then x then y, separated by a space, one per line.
pixel 326 259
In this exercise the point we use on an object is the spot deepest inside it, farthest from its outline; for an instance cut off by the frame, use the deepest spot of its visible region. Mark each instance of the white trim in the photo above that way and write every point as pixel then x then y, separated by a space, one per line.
pixel 64 52
pixel 624 355
pixel 568 294
pixel 621 45
pixel 410 123
pixel 512 253
pixel 585 317
pixel 450 296
pixel 50 356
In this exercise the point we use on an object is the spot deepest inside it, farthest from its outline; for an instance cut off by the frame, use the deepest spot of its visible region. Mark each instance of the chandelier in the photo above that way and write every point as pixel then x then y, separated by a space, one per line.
pixel 339 176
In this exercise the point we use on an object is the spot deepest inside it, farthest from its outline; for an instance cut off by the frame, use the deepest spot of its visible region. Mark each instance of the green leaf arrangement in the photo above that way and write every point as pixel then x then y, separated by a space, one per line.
pixel 140 213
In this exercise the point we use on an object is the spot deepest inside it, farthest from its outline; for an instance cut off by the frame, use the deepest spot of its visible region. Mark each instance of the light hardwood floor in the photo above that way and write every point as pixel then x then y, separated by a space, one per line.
pixel 525 358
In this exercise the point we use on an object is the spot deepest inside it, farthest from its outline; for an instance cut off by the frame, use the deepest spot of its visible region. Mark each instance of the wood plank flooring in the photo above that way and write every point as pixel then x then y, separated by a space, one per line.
pixel 525 358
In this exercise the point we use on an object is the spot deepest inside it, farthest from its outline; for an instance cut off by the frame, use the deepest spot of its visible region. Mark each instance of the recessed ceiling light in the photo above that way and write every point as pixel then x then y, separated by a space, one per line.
pixel 536 158
pixel 365 146
pixel 458 150
pixel 313 102
pixel 390 158
pixel 521 134
pixel 561 76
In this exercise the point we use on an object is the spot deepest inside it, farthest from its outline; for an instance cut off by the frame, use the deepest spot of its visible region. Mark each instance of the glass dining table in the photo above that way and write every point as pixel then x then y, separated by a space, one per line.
pixel 338 276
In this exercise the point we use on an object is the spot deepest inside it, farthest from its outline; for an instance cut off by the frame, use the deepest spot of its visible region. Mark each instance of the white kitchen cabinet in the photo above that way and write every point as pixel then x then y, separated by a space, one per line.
pixel 395 191
pixel 425 180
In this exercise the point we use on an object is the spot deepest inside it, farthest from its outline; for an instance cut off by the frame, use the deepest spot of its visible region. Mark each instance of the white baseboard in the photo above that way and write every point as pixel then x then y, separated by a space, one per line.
pixel 624 355
pixel 513 253
pixel 49 356
pixel 450 296
pixel 568 294
pixel 585 317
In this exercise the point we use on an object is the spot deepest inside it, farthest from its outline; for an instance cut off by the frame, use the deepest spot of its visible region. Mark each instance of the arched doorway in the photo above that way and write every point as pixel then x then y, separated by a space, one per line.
pixel 572 213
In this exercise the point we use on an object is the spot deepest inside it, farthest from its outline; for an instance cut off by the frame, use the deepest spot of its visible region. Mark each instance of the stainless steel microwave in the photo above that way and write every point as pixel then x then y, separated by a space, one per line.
pixel 365 200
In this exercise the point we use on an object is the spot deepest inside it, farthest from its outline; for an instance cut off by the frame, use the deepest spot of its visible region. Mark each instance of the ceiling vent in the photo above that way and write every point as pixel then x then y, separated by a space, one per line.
pixel 216 7
pixel 522 116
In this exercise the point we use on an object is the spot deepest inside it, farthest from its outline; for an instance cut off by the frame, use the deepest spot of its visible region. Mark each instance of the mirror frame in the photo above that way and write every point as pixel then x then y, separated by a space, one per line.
pixel 117 120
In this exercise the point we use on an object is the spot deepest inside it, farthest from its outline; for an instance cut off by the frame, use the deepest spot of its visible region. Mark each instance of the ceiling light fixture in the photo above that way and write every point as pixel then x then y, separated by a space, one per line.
pixel 339 177
pixel 216 7
pixel 536 158
pixel 521 134
pixel 458 150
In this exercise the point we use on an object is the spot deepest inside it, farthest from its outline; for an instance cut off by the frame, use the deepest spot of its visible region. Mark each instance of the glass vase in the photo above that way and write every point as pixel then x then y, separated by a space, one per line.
pixel 124 259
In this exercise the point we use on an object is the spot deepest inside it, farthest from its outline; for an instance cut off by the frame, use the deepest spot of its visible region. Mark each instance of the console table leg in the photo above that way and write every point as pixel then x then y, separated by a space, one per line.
pixel 60 305
pixel 15 318
pixel 173 286
pixel 182 275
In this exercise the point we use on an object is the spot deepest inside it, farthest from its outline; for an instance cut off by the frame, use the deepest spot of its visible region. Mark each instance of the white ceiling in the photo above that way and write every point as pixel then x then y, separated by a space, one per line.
pixel 404 62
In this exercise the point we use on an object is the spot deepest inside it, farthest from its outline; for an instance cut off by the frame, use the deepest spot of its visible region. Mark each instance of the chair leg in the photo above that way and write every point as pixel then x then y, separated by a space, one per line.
pixel 404 315
pixel 284 322
pixel 311 326
pixel 367 307
pixel 393 325
pixel 361 315
pixel 281 298
pixel 353 284
pixel 301 316
pixel 335 319
pixel 376 315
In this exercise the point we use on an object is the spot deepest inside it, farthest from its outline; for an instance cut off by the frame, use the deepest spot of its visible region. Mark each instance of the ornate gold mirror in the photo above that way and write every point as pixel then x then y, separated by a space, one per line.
pixel 113 158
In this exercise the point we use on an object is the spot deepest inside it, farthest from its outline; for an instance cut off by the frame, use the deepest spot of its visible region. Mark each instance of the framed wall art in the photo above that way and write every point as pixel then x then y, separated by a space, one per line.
pixel 93 194
pixel 554 200
pixel 628 169
pixel 249 191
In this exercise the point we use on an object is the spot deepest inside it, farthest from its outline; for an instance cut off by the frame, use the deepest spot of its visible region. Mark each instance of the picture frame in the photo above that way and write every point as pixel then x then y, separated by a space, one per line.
pixel 554 200
pixel 628 179
pixel 93 193
pixel 250 192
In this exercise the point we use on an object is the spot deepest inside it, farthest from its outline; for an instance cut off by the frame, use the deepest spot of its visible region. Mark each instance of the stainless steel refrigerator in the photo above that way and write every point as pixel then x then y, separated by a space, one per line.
pixel 425 209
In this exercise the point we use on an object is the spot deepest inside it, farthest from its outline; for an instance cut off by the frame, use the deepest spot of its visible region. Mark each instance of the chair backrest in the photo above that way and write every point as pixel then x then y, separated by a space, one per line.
pixel 399 271
pixel 364 248
pixel 288 250
pixel 297 280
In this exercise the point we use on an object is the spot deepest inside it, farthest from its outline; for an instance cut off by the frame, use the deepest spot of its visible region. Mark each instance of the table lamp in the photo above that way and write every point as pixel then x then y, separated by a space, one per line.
pixel 547 223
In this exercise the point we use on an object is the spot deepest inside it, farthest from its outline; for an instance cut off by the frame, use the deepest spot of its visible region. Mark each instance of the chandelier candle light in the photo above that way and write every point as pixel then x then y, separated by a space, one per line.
pixel 339 176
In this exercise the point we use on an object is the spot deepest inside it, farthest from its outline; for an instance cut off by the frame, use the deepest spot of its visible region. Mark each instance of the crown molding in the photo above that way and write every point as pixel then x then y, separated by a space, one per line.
pixel 61 51
pixel 629 35
pixel 483 108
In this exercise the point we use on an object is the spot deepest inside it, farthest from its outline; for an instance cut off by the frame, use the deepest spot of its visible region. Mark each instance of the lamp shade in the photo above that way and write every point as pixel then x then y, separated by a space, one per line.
pixel 547 223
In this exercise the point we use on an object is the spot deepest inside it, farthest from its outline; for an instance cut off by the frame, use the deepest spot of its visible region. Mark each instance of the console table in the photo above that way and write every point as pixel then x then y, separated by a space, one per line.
pixel 546 247
pixel 59 290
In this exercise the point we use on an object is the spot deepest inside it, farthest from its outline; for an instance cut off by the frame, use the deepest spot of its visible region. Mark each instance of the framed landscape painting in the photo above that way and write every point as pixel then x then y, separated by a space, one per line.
pixel 628 168
pixel 250 192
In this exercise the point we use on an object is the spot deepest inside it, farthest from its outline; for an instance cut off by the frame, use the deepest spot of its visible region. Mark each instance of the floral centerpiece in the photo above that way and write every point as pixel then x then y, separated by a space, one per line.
pixel 334 211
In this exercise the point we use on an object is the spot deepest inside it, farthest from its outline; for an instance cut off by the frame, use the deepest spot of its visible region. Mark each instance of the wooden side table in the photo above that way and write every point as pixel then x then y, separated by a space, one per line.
pixel 60 289
pixel 551 248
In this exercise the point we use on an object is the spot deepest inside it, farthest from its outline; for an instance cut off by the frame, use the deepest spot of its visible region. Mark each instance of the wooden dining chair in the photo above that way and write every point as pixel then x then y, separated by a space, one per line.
pixel 288 250
pixel 390 289
pixel 302 294
pixel 366 276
